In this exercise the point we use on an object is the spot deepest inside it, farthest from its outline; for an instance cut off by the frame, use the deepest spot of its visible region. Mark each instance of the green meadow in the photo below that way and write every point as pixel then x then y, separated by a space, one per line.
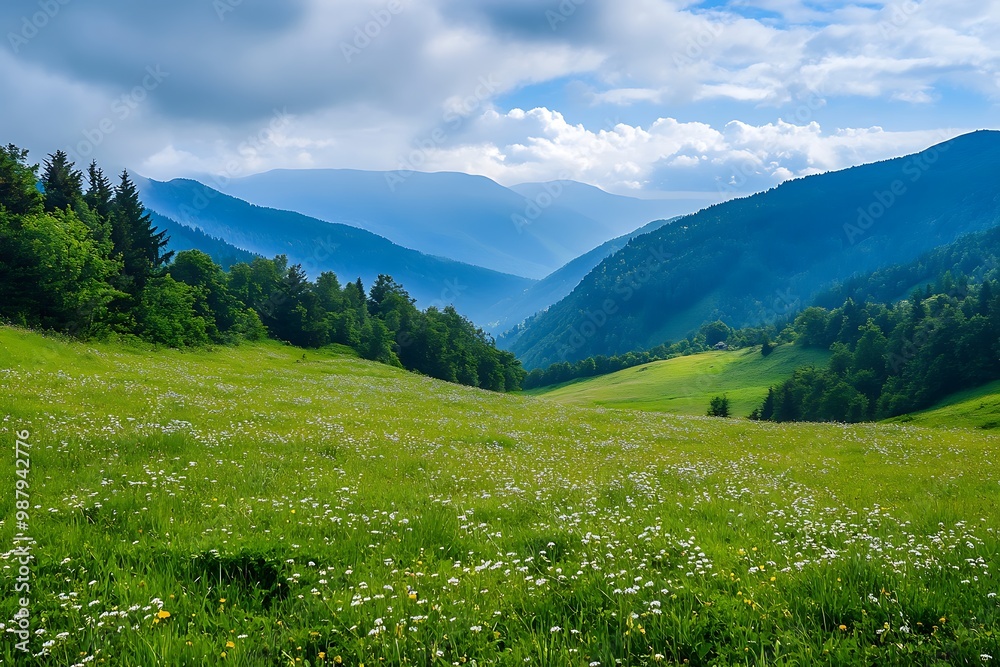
pixel 686 385
pixel 261 505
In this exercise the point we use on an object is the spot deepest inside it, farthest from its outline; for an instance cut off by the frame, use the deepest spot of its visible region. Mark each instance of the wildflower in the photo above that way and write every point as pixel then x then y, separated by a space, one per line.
pixel 163 613
pixel 843 628
pixel 555 628
pixel 230 645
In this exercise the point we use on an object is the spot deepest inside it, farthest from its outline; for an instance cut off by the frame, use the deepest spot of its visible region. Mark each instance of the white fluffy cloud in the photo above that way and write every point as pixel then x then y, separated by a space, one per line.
pixel 667 155
pixel 426 87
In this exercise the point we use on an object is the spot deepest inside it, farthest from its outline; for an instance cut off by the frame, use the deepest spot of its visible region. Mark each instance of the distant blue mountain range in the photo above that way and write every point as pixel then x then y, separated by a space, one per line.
pixel 529 230
pixel 544 221
pixel 321 246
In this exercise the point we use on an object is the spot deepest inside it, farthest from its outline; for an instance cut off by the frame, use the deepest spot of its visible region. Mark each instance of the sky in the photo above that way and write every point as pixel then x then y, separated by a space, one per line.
pixel 644 97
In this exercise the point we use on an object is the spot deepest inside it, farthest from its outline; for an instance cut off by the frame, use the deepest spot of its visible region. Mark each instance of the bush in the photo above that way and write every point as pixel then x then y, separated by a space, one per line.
pixel 719 407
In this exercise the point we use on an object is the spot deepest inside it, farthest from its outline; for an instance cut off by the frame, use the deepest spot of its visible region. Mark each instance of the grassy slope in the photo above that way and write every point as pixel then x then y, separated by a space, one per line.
pixel 685 385
pixel 974 408
pixel 529 532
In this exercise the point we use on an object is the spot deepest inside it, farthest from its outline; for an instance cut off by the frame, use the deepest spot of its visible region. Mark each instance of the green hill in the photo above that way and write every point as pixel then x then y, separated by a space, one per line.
pixel 685 385
pixel 974 408
pixel 262 506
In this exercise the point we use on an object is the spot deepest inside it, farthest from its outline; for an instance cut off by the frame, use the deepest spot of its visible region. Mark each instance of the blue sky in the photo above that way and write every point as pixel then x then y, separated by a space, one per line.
pixel 649 97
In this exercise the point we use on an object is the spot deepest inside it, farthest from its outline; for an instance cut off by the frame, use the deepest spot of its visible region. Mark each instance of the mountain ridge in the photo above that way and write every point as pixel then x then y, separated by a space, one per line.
pixel 749 260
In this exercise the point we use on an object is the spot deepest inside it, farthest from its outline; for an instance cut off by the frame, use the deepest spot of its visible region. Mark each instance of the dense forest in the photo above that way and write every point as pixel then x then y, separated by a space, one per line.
pixel 890 360
pixel 90 262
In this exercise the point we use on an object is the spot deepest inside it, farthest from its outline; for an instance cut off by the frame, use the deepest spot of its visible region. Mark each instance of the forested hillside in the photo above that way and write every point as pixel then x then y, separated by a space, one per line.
pixel 891 360
pixel 749 261
pixel 91 262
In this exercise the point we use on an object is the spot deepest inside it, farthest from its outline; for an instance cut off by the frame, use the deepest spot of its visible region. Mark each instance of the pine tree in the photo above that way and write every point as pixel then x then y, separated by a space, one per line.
pixel 100 195
pixel 62 183
pixel 135 239
pixel 99 200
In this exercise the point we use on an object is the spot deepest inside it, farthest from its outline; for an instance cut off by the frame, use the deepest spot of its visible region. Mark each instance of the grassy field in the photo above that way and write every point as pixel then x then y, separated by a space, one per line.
pixel 263 506
pixel 686 385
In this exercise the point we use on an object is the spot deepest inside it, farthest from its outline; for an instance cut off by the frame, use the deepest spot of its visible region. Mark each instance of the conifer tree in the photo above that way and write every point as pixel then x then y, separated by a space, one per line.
pixel 135 239
pixel 62 183
pixel 100 195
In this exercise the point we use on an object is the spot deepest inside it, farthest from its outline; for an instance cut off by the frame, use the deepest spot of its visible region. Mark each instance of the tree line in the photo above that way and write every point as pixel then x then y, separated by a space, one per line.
pixel 87 260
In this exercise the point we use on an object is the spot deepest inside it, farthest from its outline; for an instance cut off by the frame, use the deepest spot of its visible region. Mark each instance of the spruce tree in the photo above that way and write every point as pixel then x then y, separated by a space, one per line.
pixel 62 183
pixel 100 195
pixel 135 239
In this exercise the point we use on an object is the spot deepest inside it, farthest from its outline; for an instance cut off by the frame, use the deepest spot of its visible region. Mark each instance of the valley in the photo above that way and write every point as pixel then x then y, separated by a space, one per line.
pixel 501 333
